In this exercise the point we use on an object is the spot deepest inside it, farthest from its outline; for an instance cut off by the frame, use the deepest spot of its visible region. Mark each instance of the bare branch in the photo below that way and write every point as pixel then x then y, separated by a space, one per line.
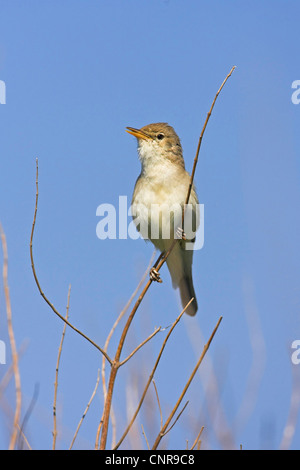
pixel 158 402
pixel 205 349
pixel 37 281
pixel 140 345
pixel 144 434
pixel 54 432
pixel 86 410
pixel 177 418
pixel 197 440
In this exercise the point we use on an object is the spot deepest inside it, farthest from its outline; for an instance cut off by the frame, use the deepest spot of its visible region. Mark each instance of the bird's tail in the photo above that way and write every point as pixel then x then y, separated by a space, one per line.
pixel 186 289
pixel 180 266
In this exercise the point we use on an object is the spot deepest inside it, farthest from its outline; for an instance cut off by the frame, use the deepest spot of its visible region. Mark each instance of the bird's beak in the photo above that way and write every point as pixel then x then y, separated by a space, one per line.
pixel 138 133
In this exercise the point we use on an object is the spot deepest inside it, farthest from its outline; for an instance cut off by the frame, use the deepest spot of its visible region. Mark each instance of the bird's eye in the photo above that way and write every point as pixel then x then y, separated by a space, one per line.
pixel 160 136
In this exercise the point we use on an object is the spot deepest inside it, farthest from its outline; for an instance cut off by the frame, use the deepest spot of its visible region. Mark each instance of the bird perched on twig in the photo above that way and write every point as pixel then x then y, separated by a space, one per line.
pixel 157 204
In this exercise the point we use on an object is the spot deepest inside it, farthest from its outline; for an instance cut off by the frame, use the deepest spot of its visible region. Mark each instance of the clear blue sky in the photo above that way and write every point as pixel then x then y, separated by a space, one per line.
pixel 76 74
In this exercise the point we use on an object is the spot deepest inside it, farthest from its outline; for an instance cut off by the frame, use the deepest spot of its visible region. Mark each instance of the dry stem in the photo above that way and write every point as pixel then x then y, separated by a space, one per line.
pixel 37 281
pixel 54 433
pixel 86 409
pixel 165 426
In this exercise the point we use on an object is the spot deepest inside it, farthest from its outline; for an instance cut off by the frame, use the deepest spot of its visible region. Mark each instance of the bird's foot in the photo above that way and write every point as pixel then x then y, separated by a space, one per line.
pixel 154 275
pixel 180 234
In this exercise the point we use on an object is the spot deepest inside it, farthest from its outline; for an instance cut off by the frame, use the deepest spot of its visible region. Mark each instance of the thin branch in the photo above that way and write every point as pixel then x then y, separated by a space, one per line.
pixel 197 440
pixel 86 410
pixel 54 433
pixel 205 349
pixel 140 345
pixel 151 376
pixel 37 281
pixel 203 130
pixel 158 402
pixel 12 341
pixel 144 434
pixel 177 418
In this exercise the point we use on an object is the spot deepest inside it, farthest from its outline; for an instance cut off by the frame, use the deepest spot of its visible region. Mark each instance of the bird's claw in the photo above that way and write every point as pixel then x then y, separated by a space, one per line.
pixel 154 275
pixel 180 234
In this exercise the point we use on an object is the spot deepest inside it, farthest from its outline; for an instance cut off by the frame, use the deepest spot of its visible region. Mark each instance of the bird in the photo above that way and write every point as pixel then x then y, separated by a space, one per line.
pixel 158 199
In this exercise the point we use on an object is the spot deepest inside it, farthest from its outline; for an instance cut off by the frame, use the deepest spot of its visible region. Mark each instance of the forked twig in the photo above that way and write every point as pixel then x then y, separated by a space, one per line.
pixel 37 281
pixel 15 360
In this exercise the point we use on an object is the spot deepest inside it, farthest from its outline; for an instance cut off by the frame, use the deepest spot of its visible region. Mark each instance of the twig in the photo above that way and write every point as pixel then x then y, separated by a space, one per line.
pixel 37 281
pixel 205 349
pixel 140 345
pixel 86 410
pixel 54 433
pixel 177 418
pixel 158 402
pixel 151 376
pixel 12 341
pixel 203 130
pixel 197 438
pixel 144 434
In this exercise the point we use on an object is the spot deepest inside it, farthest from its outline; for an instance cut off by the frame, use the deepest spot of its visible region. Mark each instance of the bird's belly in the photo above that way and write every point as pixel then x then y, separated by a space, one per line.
pixel 159 212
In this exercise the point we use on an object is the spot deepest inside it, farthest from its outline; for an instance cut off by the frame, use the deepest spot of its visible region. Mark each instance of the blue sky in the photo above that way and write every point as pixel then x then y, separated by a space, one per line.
pixel 76 74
